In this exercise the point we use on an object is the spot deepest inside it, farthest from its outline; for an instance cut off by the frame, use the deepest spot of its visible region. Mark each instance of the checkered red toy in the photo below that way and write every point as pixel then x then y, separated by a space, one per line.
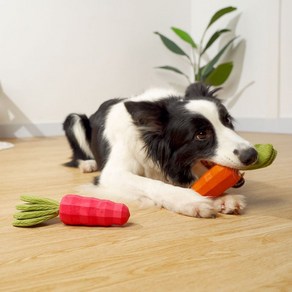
pixel 73 210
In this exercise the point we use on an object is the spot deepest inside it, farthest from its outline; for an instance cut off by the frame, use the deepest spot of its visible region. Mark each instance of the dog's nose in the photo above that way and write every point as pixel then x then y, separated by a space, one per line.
pixel 247 156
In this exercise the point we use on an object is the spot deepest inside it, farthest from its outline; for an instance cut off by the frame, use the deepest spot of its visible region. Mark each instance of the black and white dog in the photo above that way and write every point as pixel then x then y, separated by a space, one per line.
pixel 150 148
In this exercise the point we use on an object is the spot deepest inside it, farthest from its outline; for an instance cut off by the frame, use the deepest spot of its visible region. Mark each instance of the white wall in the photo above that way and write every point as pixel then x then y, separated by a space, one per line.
pixel 61 56
pixel 285 102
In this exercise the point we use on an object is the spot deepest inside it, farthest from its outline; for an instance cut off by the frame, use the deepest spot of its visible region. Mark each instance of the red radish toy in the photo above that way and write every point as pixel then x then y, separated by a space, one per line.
pixel 73 210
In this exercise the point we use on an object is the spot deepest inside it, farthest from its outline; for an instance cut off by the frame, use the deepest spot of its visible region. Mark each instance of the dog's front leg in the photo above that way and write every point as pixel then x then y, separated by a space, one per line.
pixel 173 198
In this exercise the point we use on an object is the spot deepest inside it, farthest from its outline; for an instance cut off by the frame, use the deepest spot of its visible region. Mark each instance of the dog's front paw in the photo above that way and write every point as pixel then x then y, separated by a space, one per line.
pixel 86 166
pixel 230 204
pixel 200 209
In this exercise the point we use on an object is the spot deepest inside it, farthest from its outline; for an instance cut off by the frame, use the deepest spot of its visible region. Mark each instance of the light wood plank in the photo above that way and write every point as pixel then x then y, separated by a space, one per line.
pixel 158 250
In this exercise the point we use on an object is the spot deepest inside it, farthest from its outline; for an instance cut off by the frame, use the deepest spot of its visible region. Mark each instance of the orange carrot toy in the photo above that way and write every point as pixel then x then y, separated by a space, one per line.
pixel 219 178
pixel 216 180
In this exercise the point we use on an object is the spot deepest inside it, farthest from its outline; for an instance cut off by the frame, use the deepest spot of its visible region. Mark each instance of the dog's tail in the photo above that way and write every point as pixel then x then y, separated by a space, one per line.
pixel 78 132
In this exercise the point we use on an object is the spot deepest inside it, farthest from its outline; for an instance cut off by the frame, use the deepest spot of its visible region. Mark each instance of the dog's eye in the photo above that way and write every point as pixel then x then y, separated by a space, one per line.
pixel 201 135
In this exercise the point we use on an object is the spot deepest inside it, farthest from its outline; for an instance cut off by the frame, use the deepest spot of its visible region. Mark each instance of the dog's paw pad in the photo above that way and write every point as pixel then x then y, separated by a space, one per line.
pixel 230 204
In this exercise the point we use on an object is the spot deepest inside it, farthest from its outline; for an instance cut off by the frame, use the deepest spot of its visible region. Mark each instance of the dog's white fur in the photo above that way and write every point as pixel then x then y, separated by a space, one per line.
pixel 130 175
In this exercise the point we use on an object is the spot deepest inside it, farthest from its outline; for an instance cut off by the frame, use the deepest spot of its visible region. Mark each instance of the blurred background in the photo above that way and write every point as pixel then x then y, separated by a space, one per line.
pixel 63 56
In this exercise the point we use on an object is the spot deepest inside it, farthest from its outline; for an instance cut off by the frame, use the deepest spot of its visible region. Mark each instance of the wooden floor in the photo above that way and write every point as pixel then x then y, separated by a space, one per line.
pixel 157 250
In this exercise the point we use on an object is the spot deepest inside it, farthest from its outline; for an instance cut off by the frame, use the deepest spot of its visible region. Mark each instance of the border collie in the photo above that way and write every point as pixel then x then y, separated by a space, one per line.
pixel 152 147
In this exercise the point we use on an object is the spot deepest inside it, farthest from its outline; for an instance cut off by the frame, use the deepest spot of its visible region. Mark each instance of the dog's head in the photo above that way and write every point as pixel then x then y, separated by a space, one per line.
pixel 229 149
pixel 180 132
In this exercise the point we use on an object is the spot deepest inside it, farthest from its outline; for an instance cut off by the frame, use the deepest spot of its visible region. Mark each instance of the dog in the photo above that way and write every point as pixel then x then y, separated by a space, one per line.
pixel 152 147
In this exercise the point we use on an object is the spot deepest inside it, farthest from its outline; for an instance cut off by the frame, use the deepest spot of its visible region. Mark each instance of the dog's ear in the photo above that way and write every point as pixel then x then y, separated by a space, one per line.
pixel 200 90
pixel 149 116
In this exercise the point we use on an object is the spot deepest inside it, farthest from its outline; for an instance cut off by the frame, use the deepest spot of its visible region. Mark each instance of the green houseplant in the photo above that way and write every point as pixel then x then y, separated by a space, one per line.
pixel 211 72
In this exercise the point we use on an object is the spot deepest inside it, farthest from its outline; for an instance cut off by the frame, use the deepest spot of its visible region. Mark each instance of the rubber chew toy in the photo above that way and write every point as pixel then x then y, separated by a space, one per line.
pixel 72 210
pixel 266 155
pixel 218 179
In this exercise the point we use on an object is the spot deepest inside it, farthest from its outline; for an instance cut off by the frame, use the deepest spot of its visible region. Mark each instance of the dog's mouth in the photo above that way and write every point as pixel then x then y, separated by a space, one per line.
pixel 209 164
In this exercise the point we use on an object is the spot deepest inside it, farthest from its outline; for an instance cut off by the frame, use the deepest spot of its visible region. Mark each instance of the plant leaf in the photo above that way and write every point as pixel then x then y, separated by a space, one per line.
pixel 173 69
pixel 219 74
pixel 184 36
pixel 173 47
pixel 208 68
pixel 220 13
pixel 213 38
pixel 198 76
